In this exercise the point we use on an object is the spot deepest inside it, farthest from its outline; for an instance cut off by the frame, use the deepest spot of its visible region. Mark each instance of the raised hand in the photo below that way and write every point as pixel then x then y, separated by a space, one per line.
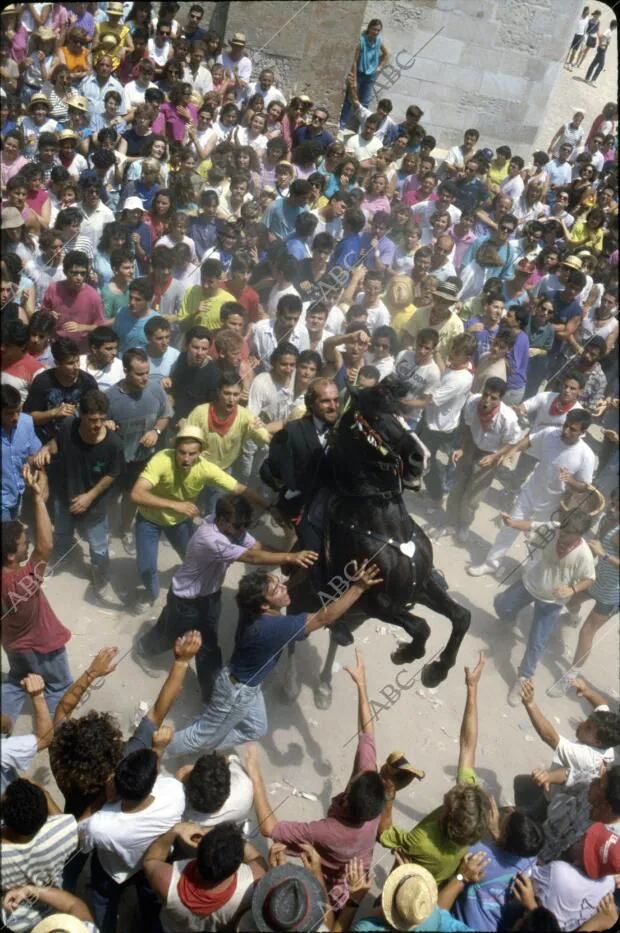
pixel 358 673
pixel 33 684
pixel 472 678
pixel 304 558
pixel 103 663
pixel 187 646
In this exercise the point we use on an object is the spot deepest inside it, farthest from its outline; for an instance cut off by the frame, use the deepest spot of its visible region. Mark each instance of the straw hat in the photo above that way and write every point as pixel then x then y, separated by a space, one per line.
pixel 190 433
pixel 573 262
pixel 45 33
pixel 108 41
pixel 238 39
pixel 67 134
pixel 448 290
pixel 11 218
pixel 401 771
pixel 9 9
pixel 39 99
pixel 60 923
pixel 114 9
pixel 78 103
pixel 409 897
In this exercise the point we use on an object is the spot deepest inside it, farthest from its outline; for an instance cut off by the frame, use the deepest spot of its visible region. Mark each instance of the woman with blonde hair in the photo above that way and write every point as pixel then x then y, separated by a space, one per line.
pixel 75 54
pixel 376 198
pixel 398 299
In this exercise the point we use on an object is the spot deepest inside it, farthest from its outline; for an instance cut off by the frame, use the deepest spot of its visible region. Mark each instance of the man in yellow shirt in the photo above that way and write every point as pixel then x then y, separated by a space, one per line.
pixel 202 303
pixel 226 427
pixel 440 317
pixel 166 493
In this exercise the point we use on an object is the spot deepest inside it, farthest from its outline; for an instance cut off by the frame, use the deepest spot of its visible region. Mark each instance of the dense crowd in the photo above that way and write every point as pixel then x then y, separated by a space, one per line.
pixel 198 278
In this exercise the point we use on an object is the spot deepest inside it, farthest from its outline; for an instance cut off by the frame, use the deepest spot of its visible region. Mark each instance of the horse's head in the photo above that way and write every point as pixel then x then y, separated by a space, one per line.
pixel 376 417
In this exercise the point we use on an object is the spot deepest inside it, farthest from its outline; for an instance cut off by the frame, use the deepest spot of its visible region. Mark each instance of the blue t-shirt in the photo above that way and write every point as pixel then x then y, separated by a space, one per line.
pixel 17 445
pixel 280 217
pixel 258 645
pixel 440 921
pixel 160 366
pixel 565 311
pixel 130 330
pixel 481 905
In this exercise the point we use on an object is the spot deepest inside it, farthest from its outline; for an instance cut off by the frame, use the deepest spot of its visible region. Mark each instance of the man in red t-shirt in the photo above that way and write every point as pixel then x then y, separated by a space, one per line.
pixel 351 826
pixel 77 306
pixel 237 285
pixel 32 636
pixel 18 367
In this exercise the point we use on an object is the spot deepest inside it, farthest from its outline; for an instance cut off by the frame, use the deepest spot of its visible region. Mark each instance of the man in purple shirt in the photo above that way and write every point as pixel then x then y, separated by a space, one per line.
pixel 380 249
pixel 517 359
pixel 194 597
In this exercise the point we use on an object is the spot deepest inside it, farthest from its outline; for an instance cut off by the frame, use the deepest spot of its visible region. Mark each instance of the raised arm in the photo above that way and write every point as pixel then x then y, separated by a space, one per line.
pixel 185 648
pixel 360 581
pixel 588 693
pixel 365 718
pixel 43 534
pixel 34 685
pixel 543 727
pixel 102 664
pixel 265 817
pixel 469 726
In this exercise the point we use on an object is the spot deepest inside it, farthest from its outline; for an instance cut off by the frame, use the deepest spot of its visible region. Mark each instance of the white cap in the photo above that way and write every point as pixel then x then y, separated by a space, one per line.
pixel 133 204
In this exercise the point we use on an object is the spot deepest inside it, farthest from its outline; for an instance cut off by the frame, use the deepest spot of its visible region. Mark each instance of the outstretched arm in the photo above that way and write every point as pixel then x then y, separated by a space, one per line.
pixel 365 718
pixel 588 693
pixel 469 726
pixel 543 727
pixel 185 648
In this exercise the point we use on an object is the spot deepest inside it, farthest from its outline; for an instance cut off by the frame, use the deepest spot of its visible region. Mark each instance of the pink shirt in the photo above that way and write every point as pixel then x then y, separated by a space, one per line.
pixel 336 840
pixel 84 307
pixel 33 624
pixel 36 201
pixel 169 123
pixel 9 169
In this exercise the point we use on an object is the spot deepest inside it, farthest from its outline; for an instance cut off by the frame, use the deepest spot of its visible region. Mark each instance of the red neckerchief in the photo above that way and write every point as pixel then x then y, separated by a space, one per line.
pixel 196 895
pixel 557 408
pixel 219 425
pixel 486 418
pixel 562 551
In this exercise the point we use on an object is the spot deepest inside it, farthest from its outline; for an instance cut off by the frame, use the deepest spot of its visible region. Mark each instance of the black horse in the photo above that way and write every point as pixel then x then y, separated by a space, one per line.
pixel 373 457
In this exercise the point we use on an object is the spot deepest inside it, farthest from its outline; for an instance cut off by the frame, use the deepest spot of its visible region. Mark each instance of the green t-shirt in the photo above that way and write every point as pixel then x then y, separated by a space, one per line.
pixel 169 482
pixel 425 844
pixel 113 301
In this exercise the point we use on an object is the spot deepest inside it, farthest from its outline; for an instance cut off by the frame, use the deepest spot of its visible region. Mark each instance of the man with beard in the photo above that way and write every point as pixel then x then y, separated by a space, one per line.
pixel 294 465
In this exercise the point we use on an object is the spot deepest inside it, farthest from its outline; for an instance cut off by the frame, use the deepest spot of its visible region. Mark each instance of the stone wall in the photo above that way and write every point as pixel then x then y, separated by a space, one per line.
pixel 491 64
pixel 308 44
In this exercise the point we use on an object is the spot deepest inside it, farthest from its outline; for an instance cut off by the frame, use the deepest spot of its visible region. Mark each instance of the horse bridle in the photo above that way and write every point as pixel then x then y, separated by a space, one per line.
pixel 375 440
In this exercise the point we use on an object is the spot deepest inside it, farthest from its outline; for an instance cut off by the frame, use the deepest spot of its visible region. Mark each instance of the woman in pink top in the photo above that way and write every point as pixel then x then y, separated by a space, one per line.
pixel 376 198
pixel 11 159
pixel 292 121
pixel 37 199
pixel 176 116
pixel 425 191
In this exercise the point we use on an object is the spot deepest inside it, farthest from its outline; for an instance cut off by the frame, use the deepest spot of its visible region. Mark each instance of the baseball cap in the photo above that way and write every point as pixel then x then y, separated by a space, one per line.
pixel 601 851
pixel 133 203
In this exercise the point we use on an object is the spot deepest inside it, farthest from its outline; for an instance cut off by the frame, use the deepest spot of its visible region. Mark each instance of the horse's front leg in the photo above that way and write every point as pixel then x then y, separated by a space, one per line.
pixel 435 597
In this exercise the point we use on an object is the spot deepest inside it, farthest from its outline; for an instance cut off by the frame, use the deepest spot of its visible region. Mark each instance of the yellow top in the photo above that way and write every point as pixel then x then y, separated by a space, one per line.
pixel 222 450
pixel 210 315
pixel 447 331
pixel 584 236
pixel 402 317
pixel 169 482
pixel 496 175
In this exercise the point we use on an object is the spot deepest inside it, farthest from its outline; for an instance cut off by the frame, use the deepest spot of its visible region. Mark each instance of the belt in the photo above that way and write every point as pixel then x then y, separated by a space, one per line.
pixel 232 678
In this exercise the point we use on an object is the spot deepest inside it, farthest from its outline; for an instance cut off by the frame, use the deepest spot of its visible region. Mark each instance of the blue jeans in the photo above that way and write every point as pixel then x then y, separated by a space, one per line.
pixel 508 605
pixel 236 714
pixel 147 547
pixel 10 513
pixel 95 530
pixel 438 479
pixel 365 86
pixel 53 666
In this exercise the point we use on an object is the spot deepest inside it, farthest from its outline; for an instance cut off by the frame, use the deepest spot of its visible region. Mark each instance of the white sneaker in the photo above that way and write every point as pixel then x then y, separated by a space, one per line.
pixel 479 570
pixel 129 544
pixel 514 697
pixel 560 687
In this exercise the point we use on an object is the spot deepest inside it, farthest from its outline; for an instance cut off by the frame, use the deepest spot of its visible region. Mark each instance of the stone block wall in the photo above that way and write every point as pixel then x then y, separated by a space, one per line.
pixel 491 64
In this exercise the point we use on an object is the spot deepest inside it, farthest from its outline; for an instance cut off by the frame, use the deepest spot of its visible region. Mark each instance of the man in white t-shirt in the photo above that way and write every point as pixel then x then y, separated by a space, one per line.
pixel 422 212
pixel 420 372
pixel 144 807
pixel 378 314
pixel 217 790
pixel 560 565
pixel 18 751
pixel 564 460
pixel 442 410
pixel 101 361
pixel 364 145
pixel 265 86
pixel 545 410
pixel 488 426
pixel 238 64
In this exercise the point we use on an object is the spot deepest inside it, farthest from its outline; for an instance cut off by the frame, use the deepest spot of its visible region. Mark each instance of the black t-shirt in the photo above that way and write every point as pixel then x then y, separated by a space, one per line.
pixel 84 465
pixel 46 393
pixel 136 143
pixel 192 385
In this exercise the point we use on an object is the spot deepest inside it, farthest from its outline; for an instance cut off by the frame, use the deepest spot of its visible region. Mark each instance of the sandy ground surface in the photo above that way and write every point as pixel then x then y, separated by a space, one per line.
pixel 313 749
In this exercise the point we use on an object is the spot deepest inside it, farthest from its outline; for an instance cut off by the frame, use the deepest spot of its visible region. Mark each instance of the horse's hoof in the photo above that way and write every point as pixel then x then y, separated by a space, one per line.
pixel 323 695
pixel 341 634
pixel 407 653
pixel 433 674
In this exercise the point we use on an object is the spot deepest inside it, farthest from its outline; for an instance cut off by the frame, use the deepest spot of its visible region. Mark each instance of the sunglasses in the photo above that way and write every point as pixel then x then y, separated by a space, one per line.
pixel 506 228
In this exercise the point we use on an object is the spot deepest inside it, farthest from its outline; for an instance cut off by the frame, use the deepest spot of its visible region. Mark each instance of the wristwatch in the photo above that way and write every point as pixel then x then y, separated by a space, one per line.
pixel 460 877
pixel 157 431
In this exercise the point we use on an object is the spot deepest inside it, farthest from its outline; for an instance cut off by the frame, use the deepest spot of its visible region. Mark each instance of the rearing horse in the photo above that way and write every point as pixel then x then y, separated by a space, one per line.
pixel 373 457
